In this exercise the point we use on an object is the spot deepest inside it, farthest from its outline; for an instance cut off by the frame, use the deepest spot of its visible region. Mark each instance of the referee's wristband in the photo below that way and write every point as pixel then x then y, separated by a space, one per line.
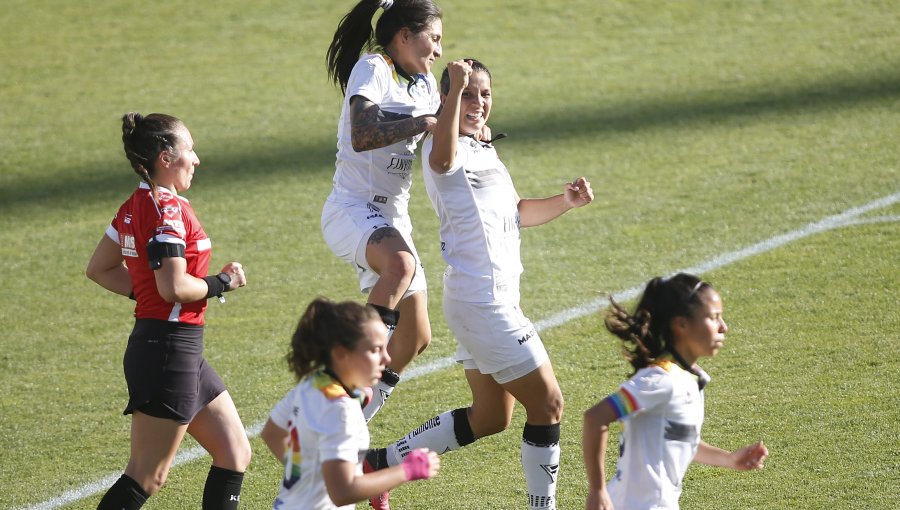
pixel 215 286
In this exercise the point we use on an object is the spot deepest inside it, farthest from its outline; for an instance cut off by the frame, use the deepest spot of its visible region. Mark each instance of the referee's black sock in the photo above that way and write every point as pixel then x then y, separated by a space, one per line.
pixel 125 494
pixel 223 489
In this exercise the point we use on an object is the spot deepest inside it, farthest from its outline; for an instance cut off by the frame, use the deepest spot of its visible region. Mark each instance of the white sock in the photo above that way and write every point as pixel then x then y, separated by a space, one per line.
pixel 540 462
pixel 380 393
pixel 446 432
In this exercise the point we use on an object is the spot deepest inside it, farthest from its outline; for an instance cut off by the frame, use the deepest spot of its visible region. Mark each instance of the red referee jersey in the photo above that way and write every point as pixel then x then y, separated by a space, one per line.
pixel 171 221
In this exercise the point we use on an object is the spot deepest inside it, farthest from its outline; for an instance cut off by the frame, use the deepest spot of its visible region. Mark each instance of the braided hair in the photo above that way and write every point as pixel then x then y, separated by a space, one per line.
pixel 144 138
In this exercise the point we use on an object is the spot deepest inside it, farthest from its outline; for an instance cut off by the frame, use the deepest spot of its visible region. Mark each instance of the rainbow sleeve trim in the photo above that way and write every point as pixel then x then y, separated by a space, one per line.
pixel 623 403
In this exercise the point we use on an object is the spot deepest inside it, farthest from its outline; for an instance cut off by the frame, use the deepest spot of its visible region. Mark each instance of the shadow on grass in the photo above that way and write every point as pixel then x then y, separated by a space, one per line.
pixel 111 179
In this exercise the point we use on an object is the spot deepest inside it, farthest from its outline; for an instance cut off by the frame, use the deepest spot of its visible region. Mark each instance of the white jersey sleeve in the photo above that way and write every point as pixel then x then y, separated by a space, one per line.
pixel 370 80
pixel 648 389
pixel 281 412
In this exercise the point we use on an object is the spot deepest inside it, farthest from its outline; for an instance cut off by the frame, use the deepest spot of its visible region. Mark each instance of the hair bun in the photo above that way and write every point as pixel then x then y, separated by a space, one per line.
pixel 129 123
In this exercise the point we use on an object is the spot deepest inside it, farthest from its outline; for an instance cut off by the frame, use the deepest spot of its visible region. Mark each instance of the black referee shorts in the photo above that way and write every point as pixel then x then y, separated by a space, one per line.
pixel 165 371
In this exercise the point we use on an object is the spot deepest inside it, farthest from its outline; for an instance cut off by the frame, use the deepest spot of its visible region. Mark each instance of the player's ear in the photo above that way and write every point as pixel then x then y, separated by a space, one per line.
pixel 338 354
pixel 678 325
pixel 404 34
pixel 164 158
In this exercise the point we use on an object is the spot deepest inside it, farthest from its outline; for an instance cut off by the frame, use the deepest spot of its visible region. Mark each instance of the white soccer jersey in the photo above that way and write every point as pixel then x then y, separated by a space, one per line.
pixel 661 407
pixel 324 423
pixel 381 176
pixel 476 204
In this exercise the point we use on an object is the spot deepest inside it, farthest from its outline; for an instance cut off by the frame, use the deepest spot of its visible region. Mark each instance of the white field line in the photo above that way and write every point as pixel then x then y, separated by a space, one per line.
pixel 848 217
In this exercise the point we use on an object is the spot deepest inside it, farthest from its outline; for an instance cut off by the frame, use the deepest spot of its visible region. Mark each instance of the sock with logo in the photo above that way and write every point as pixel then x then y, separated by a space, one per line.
pixel 540 462
pixel 125 494
pixel 380 393
pixel 446 432
pixel 223 489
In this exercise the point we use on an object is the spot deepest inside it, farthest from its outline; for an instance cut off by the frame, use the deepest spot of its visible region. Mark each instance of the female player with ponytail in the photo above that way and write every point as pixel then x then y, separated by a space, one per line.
pixel 677 321
pixel 156 252
pixel 390 101
pixel 318 429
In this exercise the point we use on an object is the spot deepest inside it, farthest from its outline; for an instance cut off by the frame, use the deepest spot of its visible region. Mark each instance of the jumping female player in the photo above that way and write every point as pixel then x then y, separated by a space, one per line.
pixel 390 98
pixel 156 252
pixel 677 321
pixel 499 348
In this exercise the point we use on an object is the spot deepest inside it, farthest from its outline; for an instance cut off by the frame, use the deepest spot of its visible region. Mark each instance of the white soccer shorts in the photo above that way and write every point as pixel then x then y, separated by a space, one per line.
pixel 494 338
pixel 347 228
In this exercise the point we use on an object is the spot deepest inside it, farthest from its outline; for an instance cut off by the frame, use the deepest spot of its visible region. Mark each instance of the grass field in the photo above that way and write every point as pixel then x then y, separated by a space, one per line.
pixel 707 128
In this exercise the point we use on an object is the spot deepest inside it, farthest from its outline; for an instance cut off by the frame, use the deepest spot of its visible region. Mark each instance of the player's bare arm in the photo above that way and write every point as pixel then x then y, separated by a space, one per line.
pixel 369 130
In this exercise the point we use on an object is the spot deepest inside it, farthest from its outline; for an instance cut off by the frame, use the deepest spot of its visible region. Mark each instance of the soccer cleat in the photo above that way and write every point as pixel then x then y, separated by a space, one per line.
pixel 379 502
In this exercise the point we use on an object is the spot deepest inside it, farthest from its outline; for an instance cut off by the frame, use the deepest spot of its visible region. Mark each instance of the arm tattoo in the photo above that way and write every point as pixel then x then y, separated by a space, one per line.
pixel 372 128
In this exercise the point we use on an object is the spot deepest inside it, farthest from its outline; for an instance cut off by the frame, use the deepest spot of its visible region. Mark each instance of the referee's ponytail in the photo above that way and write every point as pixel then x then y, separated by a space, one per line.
pixel 323 326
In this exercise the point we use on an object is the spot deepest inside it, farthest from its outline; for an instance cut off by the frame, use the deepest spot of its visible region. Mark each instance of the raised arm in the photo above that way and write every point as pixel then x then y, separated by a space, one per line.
pixel 537 211
pixel 593 445
pixel 446 131
pixel 370 130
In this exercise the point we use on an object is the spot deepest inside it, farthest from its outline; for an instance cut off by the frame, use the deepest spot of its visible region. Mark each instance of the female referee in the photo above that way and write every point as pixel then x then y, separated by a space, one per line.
pixel 504 359
pixel 156 252
pixel 677 321
pixel 390 98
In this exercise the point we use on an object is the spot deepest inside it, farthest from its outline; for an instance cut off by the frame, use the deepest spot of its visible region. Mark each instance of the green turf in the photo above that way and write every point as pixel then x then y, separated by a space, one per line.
pixel 705 127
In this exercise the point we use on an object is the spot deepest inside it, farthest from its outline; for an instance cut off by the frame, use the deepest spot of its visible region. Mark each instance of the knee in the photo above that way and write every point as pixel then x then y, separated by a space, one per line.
pixel 555 407
pixel 487 424
pixel 151 482
pixel 401 265
pixel 549 411
pixel 423 341
pixel 241 455
pixel 235 457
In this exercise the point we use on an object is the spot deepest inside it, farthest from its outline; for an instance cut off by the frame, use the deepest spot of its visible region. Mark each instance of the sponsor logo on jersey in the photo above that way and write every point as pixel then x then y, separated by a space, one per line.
pixel 511 224
pixel 176 225
pixel 680 432
pixel 379 199
pixel 171 210
pixel 127 243
pixel 127 219
pixel 401 165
